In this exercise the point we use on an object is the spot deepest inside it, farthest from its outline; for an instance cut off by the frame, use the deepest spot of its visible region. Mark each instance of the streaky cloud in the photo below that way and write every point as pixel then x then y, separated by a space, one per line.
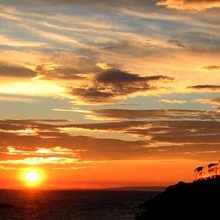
pixel 190 5
pixel 204 88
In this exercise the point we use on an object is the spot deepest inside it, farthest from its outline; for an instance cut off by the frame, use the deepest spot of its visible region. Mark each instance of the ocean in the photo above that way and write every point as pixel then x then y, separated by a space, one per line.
pixel 72 205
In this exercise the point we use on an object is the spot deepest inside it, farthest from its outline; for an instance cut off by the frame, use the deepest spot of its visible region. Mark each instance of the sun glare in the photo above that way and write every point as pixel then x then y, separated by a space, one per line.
pixel 32 176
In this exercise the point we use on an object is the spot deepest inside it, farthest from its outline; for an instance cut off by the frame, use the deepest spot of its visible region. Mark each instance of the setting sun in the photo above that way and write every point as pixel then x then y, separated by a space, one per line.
pixel 32 176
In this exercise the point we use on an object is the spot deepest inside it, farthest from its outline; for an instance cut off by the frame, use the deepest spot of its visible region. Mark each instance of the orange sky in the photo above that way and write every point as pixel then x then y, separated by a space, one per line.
pixel 104 174
pixel 108 95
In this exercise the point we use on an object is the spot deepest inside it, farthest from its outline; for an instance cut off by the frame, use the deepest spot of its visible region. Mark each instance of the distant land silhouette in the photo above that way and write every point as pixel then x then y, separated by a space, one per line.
pixel 183 201
pixel 136 188
pixel 3 205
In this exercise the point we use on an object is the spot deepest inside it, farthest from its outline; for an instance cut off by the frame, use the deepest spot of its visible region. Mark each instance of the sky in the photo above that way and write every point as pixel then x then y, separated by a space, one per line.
pixel 98 94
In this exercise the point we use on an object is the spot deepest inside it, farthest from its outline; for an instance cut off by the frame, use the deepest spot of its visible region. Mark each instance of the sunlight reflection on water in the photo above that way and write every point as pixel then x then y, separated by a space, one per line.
pixel 71 205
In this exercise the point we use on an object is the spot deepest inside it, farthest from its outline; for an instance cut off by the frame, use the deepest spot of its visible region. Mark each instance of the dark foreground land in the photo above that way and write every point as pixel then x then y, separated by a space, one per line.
pixel 184 201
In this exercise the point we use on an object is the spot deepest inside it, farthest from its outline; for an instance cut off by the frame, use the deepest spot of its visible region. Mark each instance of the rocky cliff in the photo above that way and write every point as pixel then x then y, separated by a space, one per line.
pixel 184 200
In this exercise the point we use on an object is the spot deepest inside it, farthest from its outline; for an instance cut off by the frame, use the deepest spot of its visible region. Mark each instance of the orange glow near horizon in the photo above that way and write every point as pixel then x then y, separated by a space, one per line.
pixel 99 175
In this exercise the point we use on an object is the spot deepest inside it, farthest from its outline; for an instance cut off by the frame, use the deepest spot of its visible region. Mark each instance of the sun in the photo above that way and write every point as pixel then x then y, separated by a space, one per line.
pixel 32 176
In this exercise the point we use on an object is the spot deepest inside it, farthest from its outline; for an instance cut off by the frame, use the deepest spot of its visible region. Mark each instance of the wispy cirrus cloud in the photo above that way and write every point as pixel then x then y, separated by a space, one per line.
pixel 118 45
pixel 18 99
pixel 4 41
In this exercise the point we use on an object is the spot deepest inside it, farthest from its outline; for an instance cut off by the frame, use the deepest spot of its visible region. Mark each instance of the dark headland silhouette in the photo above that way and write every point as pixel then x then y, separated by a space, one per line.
pixel 197 200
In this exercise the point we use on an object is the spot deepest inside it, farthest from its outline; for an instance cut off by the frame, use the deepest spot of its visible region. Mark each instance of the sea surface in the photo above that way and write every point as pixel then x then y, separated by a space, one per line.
pixel 72 205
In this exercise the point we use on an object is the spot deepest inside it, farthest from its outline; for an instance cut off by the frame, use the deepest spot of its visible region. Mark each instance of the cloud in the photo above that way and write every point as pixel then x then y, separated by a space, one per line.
pixel 153 114
pixel 32 148
pixel 118 77
pixel 164 138
pixel 105 66
pixel 215 101
pixel 168 127
pixel 100 4
pixel 4 41
pixel 147 56
pixel 109 126
pixel 172 101
pixel 92 93
pixel 117 84
pixel 202 40
pixel 138 46
pixel 17 99
pixel 11 70
pixel 197 132
pixel 204 88
pixel 93 103
pixel 23 127
pixel 190 5
pixel 176 41
pixel 69 68
pixel 211 67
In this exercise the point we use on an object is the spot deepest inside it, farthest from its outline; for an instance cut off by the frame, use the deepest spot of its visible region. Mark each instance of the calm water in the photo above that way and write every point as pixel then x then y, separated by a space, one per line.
pixel 71 205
